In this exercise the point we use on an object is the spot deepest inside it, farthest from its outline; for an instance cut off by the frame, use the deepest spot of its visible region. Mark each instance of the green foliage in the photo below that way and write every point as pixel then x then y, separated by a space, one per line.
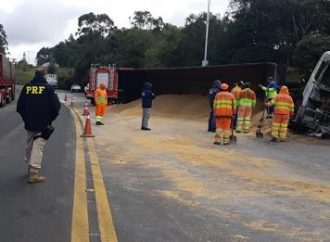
pixel 44 55
pixel 24 74
pixel 145 20
pixel 308 52
pixel 91 24
pixel 289 32
pixel 52 69
pixel 65 78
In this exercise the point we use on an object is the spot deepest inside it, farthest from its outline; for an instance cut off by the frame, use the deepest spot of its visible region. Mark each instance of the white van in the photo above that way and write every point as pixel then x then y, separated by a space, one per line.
pixel 314 110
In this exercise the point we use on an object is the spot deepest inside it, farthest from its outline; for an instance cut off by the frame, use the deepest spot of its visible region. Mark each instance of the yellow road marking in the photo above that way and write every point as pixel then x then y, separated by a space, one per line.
pixel 79 224
pixel 106 226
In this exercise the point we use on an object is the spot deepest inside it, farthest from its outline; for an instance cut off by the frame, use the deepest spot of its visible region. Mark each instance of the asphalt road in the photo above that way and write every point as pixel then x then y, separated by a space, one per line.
pixel 36 212
pixel 167 185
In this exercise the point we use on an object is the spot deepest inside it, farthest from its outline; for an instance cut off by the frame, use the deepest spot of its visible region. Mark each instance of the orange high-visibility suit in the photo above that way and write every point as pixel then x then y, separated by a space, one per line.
pixel 236 91
pixel 246 103
pixel 283 110
pixel 224 109
pixel 101 101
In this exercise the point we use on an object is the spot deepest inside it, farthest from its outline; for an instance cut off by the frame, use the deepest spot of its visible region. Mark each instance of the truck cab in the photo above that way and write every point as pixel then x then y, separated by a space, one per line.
pixel 314 110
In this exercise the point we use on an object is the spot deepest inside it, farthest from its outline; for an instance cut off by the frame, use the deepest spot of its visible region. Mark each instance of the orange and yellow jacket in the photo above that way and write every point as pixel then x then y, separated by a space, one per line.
pixel 283 104
pixel 236 91
pixel 247 97
pixel 101 96
pixel 224 104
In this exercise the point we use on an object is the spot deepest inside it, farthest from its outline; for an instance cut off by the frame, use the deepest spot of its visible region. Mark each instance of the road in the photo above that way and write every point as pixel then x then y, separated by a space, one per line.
pixel 41 212
pixel 170 184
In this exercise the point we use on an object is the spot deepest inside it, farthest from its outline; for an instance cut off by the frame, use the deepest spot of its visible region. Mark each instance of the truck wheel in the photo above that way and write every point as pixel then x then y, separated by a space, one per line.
pixel 8 99
pixel 2 102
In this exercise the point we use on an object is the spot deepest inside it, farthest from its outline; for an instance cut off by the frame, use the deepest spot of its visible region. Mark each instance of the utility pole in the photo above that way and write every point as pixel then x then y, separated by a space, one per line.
pixel 205 61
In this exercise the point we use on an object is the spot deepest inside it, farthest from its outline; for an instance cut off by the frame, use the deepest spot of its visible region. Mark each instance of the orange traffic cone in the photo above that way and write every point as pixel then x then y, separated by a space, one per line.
pixel 86 111
pixel 65 98
pixel 88 128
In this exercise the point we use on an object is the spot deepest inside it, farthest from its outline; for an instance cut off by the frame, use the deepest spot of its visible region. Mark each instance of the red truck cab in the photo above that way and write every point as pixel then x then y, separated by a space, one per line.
pixel 7 80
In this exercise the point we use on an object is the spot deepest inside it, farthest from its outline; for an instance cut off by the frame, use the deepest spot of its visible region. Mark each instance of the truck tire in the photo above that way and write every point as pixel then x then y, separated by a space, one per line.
pixel 9 99
pixel 2 101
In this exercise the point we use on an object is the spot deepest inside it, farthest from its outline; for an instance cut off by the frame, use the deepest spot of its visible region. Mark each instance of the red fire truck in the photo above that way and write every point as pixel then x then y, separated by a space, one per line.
pixel 107 75
pixel 7 80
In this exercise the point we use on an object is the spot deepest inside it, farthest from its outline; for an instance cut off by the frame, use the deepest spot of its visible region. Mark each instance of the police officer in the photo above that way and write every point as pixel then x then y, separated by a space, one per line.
pixel 38 106
pixel 212 93
pixel 147 97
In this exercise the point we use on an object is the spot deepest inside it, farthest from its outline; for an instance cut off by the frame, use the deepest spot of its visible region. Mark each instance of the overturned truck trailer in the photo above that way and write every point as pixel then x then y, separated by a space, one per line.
pixel 193 80
pixel 314 109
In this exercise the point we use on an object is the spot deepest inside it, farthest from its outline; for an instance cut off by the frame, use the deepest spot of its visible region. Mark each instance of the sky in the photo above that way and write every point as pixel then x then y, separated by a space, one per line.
pixel 33 24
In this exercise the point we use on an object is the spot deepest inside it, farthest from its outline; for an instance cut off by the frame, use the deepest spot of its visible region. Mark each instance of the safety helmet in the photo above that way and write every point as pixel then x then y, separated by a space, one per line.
pixel 224 86
pixel 246 84
pixel 270 79
pixel 284 90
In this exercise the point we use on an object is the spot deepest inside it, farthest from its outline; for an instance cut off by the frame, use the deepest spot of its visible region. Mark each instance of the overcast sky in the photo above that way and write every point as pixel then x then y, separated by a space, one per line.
pixel 33 24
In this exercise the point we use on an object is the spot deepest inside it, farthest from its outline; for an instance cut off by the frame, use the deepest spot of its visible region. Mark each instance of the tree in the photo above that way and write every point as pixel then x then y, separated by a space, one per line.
pixel 275 27
pixel 99 24
pixel 3 40
pixel 166 51
pixel 144 20
pixel 309 51
pixel 44 55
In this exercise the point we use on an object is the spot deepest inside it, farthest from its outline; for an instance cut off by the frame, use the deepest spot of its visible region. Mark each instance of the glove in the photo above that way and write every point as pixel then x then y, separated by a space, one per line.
pixel 260 85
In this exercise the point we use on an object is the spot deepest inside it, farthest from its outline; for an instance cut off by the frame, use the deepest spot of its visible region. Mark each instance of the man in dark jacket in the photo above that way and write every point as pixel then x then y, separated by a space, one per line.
pixel 147 97
pixel 212 93
pixel 38 106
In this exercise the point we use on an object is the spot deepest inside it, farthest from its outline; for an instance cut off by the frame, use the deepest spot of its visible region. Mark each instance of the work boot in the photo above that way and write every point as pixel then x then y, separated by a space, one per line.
pixel 282 140
pixel 99 123
pixel 273 139
pixel 35 177
pixel 146 129
pixel 238 131
pixel 225 143
pixel 217 143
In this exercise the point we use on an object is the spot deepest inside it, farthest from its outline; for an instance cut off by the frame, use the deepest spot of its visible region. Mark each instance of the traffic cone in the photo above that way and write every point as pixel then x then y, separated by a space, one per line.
pixel 65 98
pixel 86 111
pixel 88 128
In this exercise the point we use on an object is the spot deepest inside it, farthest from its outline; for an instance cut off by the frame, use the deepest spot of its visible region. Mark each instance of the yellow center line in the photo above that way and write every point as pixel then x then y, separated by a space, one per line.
pixel 80 232
pixel 79 224
pixel 106 226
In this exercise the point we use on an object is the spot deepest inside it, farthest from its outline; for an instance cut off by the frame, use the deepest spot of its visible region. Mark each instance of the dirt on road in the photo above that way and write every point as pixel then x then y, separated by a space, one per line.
pixel 271 191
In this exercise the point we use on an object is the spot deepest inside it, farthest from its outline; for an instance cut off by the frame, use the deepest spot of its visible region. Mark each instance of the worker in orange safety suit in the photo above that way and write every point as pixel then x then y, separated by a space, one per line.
pixel 246 104
pixel 236 91
pixel 224 109
pixel 101 102
pixel 283 110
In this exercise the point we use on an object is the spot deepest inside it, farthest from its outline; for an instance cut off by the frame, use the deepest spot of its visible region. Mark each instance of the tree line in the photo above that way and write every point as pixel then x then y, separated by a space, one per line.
pixel 293 33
